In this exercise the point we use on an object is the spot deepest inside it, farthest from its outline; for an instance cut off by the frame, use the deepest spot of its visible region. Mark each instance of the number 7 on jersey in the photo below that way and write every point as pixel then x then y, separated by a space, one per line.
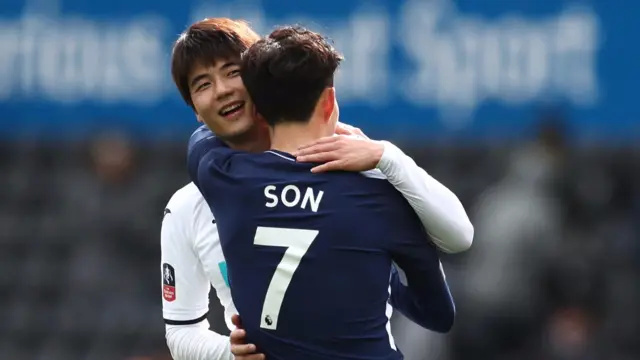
pixel 297 242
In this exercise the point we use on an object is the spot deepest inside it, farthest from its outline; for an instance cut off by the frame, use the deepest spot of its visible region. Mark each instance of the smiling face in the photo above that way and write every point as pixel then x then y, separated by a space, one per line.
pixel 220 99
pixel 205 70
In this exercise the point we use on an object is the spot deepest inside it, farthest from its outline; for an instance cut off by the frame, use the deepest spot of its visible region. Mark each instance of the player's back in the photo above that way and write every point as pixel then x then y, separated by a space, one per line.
pixel 308 255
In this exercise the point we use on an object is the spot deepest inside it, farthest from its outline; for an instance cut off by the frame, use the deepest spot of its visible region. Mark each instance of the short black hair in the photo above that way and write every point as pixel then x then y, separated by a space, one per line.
pixel 205 42
pixel 286 72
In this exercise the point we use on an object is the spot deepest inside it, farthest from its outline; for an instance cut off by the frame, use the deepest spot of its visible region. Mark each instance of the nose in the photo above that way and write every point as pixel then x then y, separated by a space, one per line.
pixel 223 90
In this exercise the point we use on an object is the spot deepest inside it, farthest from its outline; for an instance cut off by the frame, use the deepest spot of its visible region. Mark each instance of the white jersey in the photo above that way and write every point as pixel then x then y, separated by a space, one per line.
pixel 192 260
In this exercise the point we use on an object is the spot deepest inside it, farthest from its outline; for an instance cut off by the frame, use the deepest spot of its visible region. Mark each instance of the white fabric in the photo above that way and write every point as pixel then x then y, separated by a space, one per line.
pixel 197 342
pixel 190 244
pixel 438 208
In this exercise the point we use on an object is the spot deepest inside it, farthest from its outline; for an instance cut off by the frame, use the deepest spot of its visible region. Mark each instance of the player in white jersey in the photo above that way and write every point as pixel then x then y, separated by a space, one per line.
pixel 192 259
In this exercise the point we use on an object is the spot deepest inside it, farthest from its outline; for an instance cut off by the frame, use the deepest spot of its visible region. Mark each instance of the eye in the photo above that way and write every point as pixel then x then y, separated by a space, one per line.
pixel 234 73
pixel 203 86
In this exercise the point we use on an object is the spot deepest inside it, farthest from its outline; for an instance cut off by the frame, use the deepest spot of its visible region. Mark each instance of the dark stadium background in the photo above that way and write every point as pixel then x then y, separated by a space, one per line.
pixel 526 109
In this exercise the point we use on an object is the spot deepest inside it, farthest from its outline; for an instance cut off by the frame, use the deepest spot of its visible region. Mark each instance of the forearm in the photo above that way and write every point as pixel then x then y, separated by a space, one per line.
pixel 197 342
pixel 438 208
pixel 433 309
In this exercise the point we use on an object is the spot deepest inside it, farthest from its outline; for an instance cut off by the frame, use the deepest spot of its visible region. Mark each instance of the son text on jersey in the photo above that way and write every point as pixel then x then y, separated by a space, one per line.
pixel 292 196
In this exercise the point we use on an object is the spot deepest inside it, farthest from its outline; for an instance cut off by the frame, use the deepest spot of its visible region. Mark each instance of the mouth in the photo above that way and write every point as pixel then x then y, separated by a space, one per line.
pixel 232 110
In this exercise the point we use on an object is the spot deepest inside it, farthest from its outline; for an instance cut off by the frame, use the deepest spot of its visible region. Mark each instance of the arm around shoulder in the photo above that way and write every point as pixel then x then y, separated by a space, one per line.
pixel 438 208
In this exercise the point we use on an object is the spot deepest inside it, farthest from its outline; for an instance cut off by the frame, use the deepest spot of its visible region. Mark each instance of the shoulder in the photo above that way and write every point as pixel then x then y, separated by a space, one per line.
pixel 374 174
pixel 372 178
pixel 189 205
pixel 203 144
pixel 374 187
pixel 184 201
pixel 188 214
pixel 199 135
pixel 203 141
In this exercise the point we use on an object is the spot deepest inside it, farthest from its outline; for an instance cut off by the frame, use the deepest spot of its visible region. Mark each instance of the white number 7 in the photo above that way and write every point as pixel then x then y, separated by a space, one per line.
pixel 297 242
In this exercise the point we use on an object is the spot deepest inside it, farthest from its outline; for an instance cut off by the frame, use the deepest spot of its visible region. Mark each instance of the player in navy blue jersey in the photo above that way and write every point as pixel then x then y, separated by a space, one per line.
pixel 309 256
pixel 205 68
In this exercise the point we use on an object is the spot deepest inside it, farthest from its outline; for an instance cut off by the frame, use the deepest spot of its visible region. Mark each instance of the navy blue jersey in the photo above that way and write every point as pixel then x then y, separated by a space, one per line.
pixel 309 256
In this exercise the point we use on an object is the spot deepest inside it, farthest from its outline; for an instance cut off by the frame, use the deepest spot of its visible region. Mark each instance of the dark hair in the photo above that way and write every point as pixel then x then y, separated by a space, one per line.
pixel 286 72
pixel 205 42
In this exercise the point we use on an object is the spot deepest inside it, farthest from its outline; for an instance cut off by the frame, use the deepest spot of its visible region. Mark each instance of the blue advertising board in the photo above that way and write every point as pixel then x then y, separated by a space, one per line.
pixel 420 69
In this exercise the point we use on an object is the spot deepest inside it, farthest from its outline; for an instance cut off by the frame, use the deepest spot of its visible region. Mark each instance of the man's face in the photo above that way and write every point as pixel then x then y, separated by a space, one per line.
pixel 220 99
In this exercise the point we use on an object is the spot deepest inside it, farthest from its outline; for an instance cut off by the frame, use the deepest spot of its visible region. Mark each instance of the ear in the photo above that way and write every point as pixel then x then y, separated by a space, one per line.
pixel 329 103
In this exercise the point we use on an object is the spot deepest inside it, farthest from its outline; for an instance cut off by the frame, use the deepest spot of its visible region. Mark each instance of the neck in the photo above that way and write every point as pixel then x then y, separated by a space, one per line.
pixel 289 137
pixel 249 146
pixel 256 140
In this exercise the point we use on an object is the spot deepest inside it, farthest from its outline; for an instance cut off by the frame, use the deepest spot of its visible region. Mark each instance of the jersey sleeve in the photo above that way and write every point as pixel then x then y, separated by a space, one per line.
pixel 434 312
pixel 197 342
pixel 201 143
pixel 185 286
pixel 438 208
pixel 418 287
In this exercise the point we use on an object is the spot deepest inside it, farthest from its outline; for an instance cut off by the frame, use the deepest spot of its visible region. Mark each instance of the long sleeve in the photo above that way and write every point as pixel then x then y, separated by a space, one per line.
pixel 197 342
pixel 438 208
pixel 424 311
pixel 200 143
pixel 419 288
pixel 186 282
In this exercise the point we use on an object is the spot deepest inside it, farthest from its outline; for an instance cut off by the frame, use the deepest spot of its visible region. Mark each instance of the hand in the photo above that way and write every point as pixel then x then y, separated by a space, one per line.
pixel 239 349
pixel 346 129
pixel 341 152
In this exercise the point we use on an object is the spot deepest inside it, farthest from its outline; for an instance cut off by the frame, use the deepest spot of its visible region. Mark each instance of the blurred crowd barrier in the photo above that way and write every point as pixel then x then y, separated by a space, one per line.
pixel 526 109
